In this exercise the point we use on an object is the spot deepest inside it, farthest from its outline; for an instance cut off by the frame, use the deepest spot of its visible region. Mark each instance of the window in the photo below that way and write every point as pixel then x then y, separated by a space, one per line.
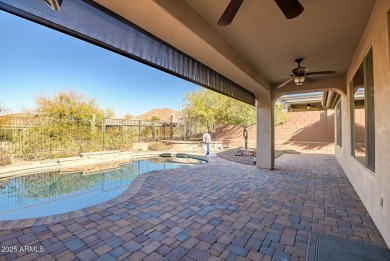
pixel 359 116
pixel 338 124
pixel 363 113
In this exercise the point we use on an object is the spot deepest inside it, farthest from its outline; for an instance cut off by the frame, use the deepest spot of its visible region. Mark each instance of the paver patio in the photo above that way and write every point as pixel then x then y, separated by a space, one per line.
pixel 219 211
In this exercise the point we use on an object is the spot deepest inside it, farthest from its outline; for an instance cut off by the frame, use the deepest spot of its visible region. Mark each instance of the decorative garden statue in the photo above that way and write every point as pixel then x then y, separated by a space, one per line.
pixel 245 151
pixel 245 134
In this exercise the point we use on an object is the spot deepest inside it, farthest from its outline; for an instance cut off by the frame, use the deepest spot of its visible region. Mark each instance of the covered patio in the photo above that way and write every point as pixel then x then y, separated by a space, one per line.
pixel 218 211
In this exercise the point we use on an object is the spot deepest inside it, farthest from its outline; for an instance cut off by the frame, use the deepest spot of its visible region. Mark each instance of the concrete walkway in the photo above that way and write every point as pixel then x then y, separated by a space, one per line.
pixel 219 211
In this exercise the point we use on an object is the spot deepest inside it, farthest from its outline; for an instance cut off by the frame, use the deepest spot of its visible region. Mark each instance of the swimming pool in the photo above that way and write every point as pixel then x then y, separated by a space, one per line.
pixel 50 193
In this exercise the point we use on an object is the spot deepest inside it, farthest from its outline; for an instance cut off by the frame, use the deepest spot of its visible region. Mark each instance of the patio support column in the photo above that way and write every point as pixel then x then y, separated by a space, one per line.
pixel 265 135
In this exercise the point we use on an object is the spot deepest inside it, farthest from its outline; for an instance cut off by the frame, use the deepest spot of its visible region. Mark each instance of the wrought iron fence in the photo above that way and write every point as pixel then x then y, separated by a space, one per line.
pixel 36 138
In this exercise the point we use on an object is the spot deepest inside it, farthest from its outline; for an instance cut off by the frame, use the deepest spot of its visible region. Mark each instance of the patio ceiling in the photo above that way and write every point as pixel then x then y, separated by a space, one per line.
pixel 261 43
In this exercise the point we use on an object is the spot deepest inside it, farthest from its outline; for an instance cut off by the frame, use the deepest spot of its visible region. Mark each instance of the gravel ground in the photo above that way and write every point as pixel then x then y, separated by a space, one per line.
pixel 248 160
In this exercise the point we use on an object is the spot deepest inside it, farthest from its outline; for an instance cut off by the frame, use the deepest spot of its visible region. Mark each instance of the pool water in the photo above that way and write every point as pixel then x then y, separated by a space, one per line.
pixel 51 193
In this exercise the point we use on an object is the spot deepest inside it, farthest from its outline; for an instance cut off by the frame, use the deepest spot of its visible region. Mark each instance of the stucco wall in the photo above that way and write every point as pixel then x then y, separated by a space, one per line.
pixel 372 186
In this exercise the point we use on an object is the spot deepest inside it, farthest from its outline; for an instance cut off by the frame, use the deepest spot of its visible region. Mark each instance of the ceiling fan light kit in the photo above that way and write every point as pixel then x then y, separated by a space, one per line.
pixel 299 80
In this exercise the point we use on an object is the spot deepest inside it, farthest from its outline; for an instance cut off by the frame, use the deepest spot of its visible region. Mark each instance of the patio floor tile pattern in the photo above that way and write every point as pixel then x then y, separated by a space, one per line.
pixel 219 211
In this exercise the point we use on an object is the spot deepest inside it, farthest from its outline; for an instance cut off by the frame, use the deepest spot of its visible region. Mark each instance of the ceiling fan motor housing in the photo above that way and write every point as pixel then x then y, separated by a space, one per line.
pixel 300 71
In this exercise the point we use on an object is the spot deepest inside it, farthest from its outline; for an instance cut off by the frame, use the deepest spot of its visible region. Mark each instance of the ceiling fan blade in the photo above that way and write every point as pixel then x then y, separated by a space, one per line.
pixel 279 77
pixel 230 12
pixel 285 83
pixel 321 72
pixel 290 8
pixel 309 79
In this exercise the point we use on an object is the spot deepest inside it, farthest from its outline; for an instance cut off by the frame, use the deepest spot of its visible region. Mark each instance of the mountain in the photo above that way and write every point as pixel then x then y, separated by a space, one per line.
pixel 164 114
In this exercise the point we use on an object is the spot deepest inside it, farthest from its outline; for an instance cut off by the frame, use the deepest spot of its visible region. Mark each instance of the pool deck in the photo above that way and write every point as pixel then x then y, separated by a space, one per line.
pixel 218 211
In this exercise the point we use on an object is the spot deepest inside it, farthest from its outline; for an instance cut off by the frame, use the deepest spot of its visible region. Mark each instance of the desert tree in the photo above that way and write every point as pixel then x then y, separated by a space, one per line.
pixel 207 108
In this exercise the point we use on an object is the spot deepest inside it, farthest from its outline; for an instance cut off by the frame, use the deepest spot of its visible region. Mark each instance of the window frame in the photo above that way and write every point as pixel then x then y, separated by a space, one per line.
pixel 369 110
pixel 339 129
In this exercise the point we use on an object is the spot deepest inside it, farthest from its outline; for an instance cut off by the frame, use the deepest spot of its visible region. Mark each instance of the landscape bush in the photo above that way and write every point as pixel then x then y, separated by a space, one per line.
pixel 117 139
pixel 64 125
pixel 65 140
pixel 5 157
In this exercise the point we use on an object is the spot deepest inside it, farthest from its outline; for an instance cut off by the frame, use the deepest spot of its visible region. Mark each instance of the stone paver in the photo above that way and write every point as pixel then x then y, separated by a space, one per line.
pixel 218 211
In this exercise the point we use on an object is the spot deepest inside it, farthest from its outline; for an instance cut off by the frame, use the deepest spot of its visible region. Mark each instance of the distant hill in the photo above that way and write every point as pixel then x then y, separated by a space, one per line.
pixel 164 114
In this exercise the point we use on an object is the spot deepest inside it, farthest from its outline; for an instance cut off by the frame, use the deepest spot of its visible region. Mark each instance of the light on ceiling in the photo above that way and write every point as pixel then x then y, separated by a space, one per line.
pixel 299 80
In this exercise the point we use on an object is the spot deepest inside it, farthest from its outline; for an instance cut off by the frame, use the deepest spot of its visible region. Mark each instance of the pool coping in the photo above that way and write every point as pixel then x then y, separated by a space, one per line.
pixel 132 190
pixel 58 164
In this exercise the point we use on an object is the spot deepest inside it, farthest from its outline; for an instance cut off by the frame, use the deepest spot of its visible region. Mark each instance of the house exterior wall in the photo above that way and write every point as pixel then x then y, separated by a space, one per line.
pixel 372 186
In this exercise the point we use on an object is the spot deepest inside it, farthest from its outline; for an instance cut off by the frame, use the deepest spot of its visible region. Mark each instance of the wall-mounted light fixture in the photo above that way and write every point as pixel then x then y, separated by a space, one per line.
pixel 308 106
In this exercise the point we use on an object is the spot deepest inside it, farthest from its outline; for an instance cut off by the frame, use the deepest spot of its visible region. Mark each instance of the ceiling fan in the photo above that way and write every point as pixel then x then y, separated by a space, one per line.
pixel 290 8
pixel 300 74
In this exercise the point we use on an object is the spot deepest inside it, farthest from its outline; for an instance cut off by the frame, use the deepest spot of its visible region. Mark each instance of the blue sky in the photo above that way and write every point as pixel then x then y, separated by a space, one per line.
pixel 37 60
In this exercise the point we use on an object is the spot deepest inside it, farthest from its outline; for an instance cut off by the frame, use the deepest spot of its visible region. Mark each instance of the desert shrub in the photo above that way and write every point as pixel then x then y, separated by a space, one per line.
pixel 118 139
pixel 5 157
pixel 68 138
pixel 33 144
pixel 158 146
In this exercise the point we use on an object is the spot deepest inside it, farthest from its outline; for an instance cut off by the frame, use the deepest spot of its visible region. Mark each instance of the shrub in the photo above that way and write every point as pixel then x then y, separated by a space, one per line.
pixel 5 157
pixel 33 143
pixel 117 139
